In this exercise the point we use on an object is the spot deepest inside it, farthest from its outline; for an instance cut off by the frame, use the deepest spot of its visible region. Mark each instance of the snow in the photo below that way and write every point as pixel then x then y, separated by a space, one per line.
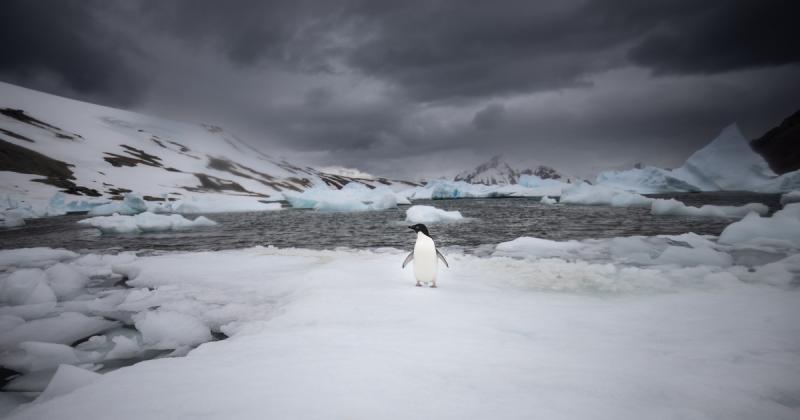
pixel 65 328
pixel 131 204
pixel 26 287
pixel 33 257
pixel 67 379
pixel 431 215
pixel 345 334
pixel 727 163
pixel 598 195
pixel 146 222
pixel 674 207
pixel 791 197
pixel 65 281
pixel 171 330
pixel 352 197
pixel 32 356
pixel 780 230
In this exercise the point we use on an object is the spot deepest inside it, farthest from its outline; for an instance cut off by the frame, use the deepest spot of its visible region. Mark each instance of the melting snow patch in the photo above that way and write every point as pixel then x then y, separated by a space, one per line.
pixel 145 222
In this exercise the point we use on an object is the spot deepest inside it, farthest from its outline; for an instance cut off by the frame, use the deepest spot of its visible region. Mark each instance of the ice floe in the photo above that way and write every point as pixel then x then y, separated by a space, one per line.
pixel 352 197
pixel 431 215
pixel 146 222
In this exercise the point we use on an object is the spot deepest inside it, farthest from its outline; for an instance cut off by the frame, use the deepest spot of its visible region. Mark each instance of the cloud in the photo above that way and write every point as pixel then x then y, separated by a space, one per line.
pixel 490 117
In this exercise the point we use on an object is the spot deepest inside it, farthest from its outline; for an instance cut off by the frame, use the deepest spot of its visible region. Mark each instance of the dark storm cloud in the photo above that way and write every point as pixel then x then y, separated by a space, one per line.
pixel 370 80
pixel 67 40
pixel 723 36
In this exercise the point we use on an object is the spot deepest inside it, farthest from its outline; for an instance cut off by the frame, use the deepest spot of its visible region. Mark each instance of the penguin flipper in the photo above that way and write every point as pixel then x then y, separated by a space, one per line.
pixel 408 259
pixel 441 257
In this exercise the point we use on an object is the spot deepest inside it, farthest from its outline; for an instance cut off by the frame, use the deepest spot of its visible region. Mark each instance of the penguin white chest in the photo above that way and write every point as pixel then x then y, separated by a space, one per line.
pixel 425 262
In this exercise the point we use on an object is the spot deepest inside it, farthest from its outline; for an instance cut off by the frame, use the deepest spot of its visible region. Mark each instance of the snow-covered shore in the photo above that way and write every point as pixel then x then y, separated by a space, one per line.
pixel 684 326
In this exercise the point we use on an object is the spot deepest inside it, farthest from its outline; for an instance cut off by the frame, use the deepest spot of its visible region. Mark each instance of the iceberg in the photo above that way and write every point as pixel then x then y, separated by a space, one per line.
pixel 728 163
pixel 598 195
pixel 352 197
pixel 146 222
pixel 430 215
pixel 780 230
pixel 674 207
pixel 208 203
pixel 131 204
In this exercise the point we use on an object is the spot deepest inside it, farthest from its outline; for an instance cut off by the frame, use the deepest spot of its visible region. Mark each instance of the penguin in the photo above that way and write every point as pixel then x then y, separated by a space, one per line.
pixel 425 256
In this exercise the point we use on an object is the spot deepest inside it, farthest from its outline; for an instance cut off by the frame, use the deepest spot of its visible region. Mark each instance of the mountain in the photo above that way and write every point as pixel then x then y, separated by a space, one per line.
pixel 780 146
pixel 497 171
pixel 727 163
pixel 50 144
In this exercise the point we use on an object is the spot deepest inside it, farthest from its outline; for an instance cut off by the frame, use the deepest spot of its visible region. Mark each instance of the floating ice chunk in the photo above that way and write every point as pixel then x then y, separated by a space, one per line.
pixel 66 328
pixel 33 311
pixel 780 230
pixel 430 214
pixel 11 219
pixel 59 205
pixel 66 281
pixel 791 197
pixel 124 348
pixel 353 196
pixel 674 207
pixel 548 200
pixel 170 330
pixel 647 180
pixel 31 356
pixel 132 204
pixel 209 203
pixel 598 195
pixel 25 287
pixel 145 222
pixel 34 257
pixel 67 379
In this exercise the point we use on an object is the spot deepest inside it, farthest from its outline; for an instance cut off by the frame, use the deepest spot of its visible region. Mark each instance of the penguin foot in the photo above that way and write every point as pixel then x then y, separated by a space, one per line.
pixel 419 284
pixel 433 286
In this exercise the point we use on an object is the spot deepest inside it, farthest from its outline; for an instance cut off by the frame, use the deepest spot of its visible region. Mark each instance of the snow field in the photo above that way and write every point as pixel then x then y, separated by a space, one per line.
pixel 537 330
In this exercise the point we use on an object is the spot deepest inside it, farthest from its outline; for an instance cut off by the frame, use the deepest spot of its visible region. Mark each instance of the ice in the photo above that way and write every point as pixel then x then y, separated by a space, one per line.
pixel 780 230
pixel 9 402
pixel 674 207
pixel 25 287
pixel 352 197
pixel 536 248
pixel 9 322
pixel 431 215
pixel 209 203
pixel 30 382
pixel 131 204
pixel 528 186
pixel 791 197
pixel 33 257
pixel 171 330
pixel 65 328
pixel 345 334
pixel 124 348
pixel 146 222
pixel 66 281
pixel 647 180
pixel 12 219
pixel 598 195
pixel 31 356
pixel 548 200
pixel 32 311
pixel 67 379
pixel 728 163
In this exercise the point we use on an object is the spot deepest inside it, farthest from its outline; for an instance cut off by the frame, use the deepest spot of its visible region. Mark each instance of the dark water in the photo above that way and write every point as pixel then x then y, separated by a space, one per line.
pixel 492 221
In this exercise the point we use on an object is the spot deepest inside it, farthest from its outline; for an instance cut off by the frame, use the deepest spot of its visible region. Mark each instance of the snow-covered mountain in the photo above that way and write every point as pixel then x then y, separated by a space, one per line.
pixel 50 144
pixel 499 171
pixel 728 163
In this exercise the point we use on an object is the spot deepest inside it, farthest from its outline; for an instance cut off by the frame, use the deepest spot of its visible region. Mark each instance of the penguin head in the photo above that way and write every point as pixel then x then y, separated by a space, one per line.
pixel 419 227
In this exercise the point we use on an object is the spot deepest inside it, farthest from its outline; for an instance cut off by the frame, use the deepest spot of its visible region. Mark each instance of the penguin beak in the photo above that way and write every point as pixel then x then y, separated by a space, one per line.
pixel 411 227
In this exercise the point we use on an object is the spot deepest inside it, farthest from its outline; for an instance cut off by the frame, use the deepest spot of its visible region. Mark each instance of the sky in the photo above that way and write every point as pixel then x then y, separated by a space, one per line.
pixel 412 89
